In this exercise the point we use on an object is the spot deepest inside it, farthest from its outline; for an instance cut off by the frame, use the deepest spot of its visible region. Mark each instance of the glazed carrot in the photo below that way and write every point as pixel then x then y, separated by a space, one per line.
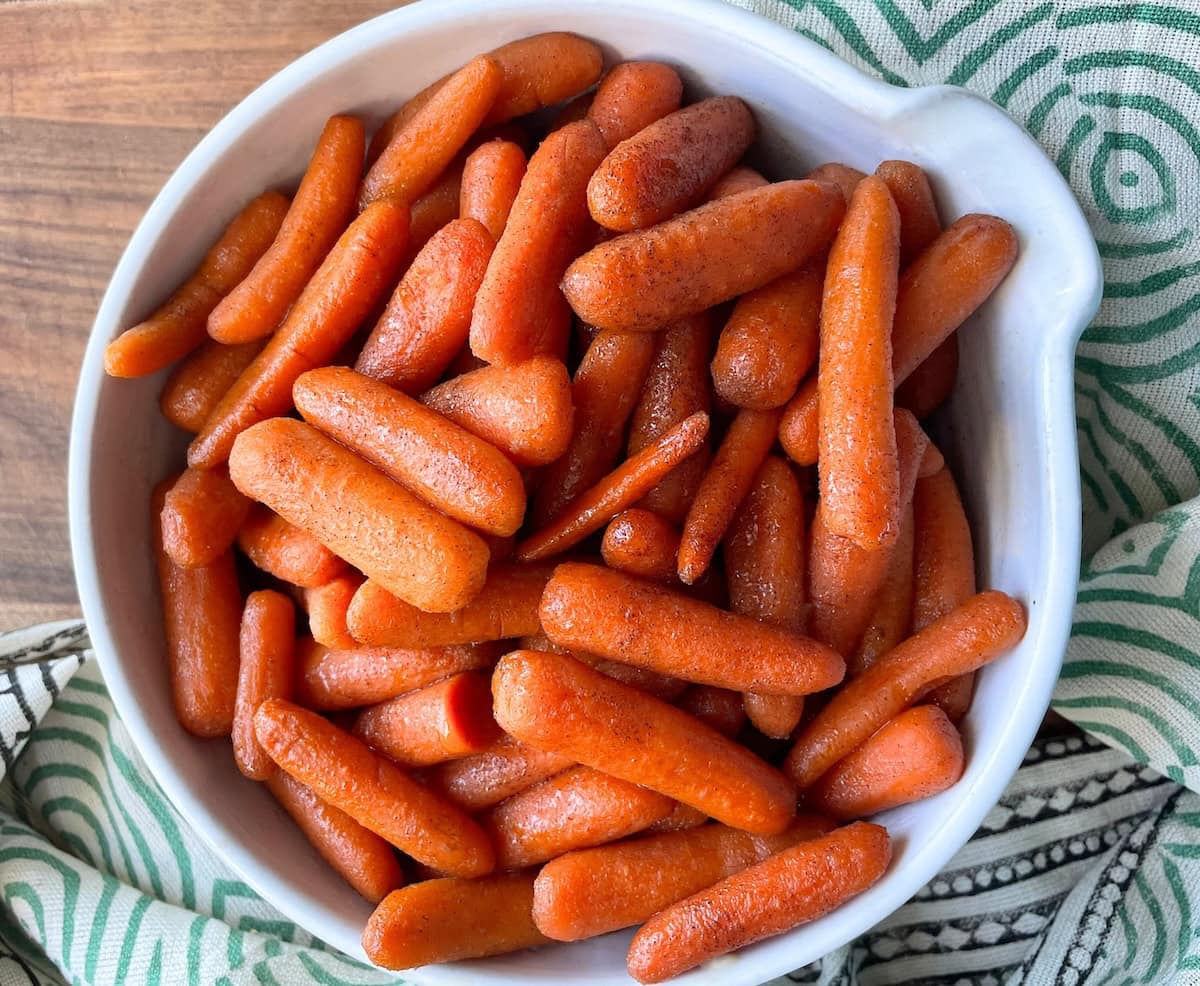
pixel 327 606
pixel 283 550
pixel 507 606
pixel 201 516
pixel 740 179
pixel 620 489
pixel 360 857
pixel 930 385
pixel 604 392
pixel 646 279
pixel 199 382
pixel 716 707
pixel 842 175
pixel 500 548
pixel 433 210
pixel 448 919
pixel 506 768
pixel 358 512
pixel 426 321
pixel 491 177
pixel 594 609
pixel 632 96
pixel 770 341
pixel 179 325
pixel 202 610
pixel 641 543
pixel 651 682
pixel 397 121
pixel 593 891
pixel 371 790
pixel 937 293
pixel 420 151
pixel 790 888
pixel 682 818
pixel 978 631
pixel 919 222
pixel 443 721
pixel 323 205
pixel 328 680
pixel 578 808
pixel 520 311
pixel 677 386
pixel 621 731
pixel 667 167
pixel 524 410
pixel 913 756
pixel 543 70
pixel 444 465
pixel 890 619
pixel 573 111
pixel 726 483
pixel 267 646
pixel 352 279
pixel 932 462
pixel 860 497
pixel 764 568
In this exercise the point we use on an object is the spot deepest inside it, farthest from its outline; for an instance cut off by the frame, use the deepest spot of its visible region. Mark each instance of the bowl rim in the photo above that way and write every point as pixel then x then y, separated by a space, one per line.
pixel 869 96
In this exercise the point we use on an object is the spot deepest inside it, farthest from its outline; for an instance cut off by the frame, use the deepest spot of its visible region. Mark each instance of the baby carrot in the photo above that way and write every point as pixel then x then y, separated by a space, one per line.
pixel 740 179
pixel 919 221
pixel 724 486
pixel 913 756
pixel 361 858
pixel 446 466
pixel 199 382
pixel 845 177
pixel 327 606
pixel 718 708
pixel 179 325
pixel 646 279
pixel 594 609
pixel 318 214
pixel 792 887
pixel 576 809
pixel 590 892
pixel 978 631
pixel 621 488
pixel 860 497
pixel 491 177
pixel 448 919
pixel 433 210
pixel 426 321
pixel 633 95
pixel 770 341
pixel 283 550
pixel 201 516
pixel 543 70
pixel 931 462
pixel 351 280
pixel 329 680
pixel 651 682
pixel 667 166
pixel 371 790
pixel 358 512
pixel 520 311
pixel 524 410
pixel 506 606
pixel 641 543
pixel 930 385
pixel 267 649
pixel 506 768
pixel 682 818
pixel 890 620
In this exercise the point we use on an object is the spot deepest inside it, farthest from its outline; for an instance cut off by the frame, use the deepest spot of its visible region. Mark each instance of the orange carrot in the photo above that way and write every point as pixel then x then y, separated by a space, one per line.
pixel 919 222
pixel 632 96
pixel 520 311
pixel 371 790
pixel 327 606
pixel 930 385
pixel 913 756
pixel 682 819
pixel 621 731
pixel 283 550
pixel 355 510
pixel 433 210
pixel 543 70
pixel 576 809
pixel 667 166
pixel 319 213
pixel 740 179
pixel 573 111
pixel 932 462
pixel 651 682
pixel 426 321
pixel 716 707
pixel 352 279
pixel 491 177
pixel 198 383
pixel 728 480
pixel 524 410
pixel 201 516
pixel 890 620
pixel 641 543
pixel 790 888
pixel 267 649
pixel 361 858
pixel 448 919
pixel 842 175
pixel 978 631
pixel 594 609
pixel 179 325
pixel 590 892
pixel 646 279
pixel 507 606
pixel 503 770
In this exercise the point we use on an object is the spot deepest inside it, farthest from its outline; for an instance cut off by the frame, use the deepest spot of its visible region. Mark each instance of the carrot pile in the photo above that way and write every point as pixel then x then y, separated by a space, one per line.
pixel 560 541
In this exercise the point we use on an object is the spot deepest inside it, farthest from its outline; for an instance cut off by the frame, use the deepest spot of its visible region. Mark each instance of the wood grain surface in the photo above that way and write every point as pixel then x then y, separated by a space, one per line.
pixel 98 104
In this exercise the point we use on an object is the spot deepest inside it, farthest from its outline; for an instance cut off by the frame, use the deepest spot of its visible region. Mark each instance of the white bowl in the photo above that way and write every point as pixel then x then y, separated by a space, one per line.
pixel 1010 429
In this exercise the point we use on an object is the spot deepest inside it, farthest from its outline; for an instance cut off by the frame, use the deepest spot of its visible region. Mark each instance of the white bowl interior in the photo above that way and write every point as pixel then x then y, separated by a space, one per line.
pixel 1009 430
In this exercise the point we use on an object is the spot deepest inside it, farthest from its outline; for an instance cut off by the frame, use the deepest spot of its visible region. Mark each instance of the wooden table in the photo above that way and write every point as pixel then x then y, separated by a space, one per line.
pixel 99 102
